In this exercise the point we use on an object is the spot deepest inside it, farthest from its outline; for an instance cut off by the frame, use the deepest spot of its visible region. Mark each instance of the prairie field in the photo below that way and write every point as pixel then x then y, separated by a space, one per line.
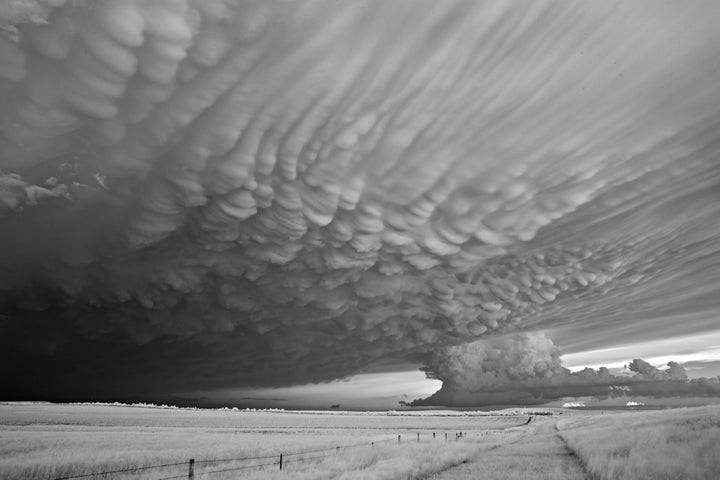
pixel 47 441
pixel 681 443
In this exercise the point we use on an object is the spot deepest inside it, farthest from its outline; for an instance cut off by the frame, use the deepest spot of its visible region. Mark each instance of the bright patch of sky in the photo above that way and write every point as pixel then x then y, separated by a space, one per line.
pixel 698 349
pixel 371 391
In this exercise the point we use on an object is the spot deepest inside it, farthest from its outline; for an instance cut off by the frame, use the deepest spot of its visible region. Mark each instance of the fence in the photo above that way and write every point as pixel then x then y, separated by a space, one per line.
pixel 280 460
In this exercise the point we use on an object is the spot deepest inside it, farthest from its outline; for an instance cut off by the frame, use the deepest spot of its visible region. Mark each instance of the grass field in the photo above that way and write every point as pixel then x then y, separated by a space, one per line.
pixel 669 444
pixel 533 452
pixel 51 441
pixel 43 441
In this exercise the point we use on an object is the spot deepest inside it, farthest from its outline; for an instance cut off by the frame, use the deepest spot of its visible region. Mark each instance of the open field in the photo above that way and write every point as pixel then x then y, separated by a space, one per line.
pixel 50 441
pixel 668 444
pixel 533 452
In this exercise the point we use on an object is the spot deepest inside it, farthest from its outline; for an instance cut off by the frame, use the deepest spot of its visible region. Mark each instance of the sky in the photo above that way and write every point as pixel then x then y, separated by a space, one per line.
pixel 306 204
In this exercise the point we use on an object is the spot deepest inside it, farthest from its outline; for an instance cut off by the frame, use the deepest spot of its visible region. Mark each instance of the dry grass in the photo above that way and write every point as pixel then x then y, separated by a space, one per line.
pixel 50 441
pixel 668 444
pixel 529 452
pixel 388 462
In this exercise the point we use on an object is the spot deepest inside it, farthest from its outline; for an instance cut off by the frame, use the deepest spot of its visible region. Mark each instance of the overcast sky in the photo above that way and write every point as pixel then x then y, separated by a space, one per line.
pixel 311 203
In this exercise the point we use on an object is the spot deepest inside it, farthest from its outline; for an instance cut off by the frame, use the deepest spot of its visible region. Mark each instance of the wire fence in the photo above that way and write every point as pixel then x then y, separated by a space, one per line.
pixel 281 459
pixel 124 470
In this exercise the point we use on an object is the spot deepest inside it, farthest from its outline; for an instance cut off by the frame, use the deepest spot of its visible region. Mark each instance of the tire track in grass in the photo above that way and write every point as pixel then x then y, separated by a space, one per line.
pixel 456 468
pixel 538 453
pixel 572 453
pixel 433 475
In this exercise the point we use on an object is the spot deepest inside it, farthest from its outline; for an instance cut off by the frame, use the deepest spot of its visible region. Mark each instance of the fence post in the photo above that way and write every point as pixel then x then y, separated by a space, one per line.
pixel 372 445
pixel 446 436
pixel 337 450
pixel 398 438
pixel 418 437
pixel 191 468
pixel 433 435
pixel 281 461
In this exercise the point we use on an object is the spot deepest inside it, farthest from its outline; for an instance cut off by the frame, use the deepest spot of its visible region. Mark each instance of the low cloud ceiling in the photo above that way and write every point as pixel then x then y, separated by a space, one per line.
pixel 200 194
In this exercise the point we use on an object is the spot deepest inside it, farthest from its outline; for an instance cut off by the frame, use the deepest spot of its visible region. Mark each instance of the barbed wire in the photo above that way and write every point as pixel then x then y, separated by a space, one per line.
pixel 308 458
pixel 124 470
pixel 238 459
pixel 245 467
pixel 218 460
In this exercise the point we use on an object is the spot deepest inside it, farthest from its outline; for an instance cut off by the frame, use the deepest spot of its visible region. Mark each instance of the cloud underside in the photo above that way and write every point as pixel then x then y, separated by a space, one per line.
pixel 212 193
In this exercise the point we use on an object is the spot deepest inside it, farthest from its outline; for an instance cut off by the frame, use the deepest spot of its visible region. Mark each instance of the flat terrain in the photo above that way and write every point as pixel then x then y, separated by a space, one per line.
pixel 653 445
pixel 51 441
pixel 535 451
pixel 44 441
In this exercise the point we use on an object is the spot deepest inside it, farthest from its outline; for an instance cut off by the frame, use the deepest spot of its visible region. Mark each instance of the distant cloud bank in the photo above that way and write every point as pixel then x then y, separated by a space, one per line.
pixel 526 369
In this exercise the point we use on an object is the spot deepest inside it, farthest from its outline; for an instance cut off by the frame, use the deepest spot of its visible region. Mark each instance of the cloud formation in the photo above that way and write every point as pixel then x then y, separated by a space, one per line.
pixel 206 193
pixel 526 369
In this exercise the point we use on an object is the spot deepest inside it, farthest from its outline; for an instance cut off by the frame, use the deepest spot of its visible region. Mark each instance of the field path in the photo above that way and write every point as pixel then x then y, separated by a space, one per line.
pixel 535 451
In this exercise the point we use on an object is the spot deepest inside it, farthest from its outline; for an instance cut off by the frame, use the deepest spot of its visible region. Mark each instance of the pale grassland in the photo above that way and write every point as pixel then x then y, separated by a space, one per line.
pixel 668 444
pixel 49 441
pixel 534 451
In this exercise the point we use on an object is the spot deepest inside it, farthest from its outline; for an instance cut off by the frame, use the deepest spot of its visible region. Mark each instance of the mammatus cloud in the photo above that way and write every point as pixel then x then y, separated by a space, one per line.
pixel 207 193
pixel 526 369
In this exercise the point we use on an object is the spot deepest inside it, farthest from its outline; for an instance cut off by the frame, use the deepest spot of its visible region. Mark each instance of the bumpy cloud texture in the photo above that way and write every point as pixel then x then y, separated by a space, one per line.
pixel 204 193
pixel 526 369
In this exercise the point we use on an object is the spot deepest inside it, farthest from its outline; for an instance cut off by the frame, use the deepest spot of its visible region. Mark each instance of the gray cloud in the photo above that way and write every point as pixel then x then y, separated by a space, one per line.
pixel 211 193
pixel 526 369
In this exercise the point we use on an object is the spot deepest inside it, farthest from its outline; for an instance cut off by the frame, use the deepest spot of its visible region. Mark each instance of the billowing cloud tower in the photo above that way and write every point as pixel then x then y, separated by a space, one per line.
pixel 206 193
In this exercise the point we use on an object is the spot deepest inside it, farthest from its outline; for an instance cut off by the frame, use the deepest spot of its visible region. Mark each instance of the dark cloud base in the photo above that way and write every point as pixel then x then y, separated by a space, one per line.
pixel 209 194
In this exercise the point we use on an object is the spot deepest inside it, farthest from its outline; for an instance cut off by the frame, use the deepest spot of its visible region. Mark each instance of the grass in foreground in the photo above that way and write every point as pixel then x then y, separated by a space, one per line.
pixel 46 442
pixel 669 444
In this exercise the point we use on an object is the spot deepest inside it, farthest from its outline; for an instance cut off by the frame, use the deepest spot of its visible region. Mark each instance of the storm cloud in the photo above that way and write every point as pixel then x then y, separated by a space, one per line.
pixel 201 194
pixel 525 369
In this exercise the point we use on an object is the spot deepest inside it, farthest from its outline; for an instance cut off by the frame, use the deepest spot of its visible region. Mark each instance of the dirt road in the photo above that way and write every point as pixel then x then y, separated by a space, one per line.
pixel 534 451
